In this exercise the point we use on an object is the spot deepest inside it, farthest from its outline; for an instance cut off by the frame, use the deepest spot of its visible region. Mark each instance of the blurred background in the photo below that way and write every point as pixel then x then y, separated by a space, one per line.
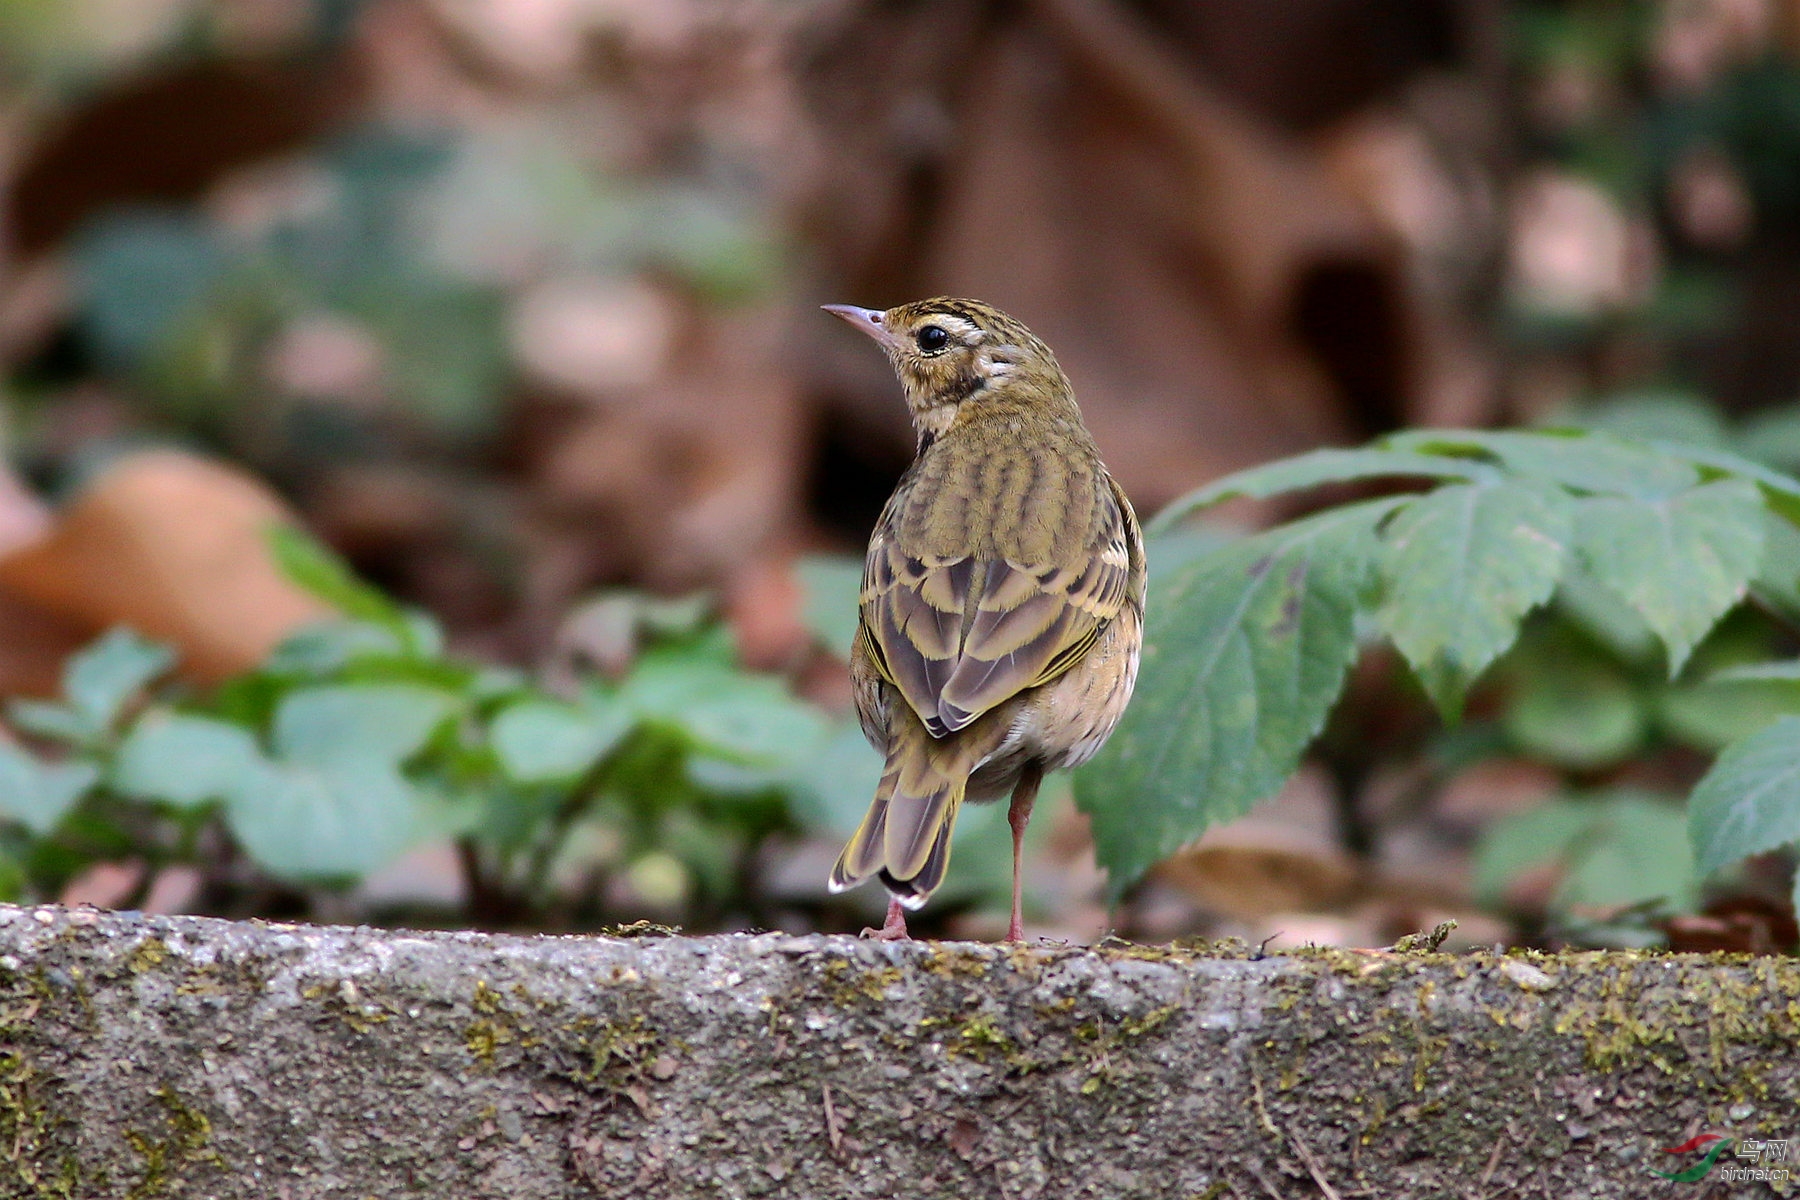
pixel 512 305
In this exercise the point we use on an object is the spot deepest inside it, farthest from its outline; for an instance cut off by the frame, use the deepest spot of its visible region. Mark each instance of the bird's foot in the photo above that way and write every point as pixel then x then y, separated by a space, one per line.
pixel 894 928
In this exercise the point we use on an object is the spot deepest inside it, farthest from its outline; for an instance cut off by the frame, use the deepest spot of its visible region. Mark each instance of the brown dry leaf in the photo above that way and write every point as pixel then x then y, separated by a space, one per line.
pixel 1282 858
pixel 174 546
pixel 1249 880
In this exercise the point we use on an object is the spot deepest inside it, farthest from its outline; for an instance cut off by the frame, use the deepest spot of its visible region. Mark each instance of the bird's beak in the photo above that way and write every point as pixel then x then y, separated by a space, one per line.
pixel 871 321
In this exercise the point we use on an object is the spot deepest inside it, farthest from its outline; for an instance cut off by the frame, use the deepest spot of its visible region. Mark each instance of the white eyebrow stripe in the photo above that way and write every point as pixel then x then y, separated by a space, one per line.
pixel 964 330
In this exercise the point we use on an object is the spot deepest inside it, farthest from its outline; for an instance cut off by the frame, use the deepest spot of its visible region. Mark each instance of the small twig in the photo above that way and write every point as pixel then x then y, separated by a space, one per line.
pixel 834 1128
pixel 1263 1180
pixel 1493 1160
pixel 1256 1091
pixel 1312 1166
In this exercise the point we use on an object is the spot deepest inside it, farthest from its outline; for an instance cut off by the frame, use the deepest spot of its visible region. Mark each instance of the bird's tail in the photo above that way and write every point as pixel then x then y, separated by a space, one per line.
pixel 905 838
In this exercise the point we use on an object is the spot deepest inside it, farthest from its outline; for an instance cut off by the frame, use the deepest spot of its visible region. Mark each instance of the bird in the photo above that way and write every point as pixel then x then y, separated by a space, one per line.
pixel 1002 605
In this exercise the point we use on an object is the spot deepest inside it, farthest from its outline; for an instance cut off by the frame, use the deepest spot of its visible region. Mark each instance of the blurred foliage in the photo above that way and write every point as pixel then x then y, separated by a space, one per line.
pixel 1644 552
pixel 361 738
pixel 407 242
pixel 1659 155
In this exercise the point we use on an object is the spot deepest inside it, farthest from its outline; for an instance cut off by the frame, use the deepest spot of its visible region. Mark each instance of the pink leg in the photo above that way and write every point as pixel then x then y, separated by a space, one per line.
pixel 1018 814
pixel 894 928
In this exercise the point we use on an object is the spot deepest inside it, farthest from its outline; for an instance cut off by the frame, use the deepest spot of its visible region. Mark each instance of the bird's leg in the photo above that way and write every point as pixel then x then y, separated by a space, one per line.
pixel 894 928
pixel 1018 813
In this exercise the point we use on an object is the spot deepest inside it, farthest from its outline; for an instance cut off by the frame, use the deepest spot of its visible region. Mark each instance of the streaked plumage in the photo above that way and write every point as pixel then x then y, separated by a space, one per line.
pixel 1003 593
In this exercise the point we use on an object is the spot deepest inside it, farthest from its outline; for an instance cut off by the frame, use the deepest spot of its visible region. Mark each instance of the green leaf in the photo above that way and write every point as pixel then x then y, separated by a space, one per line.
pixel 1657 416
pixel 310 565
pixel 547 741
pixel 1574 710
pixel 1635 850
pixel 833 588
pixel 38 795
pixel 1780 492
pixel 182 760
pixel 145 271
pixel 382 722
pixel 1773 438
pixel 1749 803
pixel 1758 672
pixel 1680 562
pixel 1600 613
pixel 326 822
pixel 99 680
pixel 1778 582
pixel 52 721
pixel 326 647
pixel 724 711
pixel 1613 848
pixel 1583 462
pixel 1725 708
pixel 1245 652
pixel 1461 568
pixel 1514 844
pixel 1322 467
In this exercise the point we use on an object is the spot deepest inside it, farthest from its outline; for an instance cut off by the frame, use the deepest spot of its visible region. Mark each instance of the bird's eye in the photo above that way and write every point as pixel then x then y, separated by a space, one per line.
pixel 932 338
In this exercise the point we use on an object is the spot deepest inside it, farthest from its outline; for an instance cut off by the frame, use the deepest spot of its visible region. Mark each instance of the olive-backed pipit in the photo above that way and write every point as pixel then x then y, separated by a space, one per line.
pixel 1003 594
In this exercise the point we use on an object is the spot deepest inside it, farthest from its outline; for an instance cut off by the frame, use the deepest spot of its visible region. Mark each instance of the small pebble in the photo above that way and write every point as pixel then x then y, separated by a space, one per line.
pixel 1526 976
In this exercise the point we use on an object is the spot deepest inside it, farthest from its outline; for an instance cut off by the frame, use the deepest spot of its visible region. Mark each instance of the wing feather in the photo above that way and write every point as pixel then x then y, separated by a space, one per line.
pixel 959 635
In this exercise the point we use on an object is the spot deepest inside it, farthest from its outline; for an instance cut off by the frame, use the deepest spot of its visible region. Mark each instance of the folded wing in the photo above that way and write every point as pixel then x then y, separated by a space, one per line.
pixel 959 635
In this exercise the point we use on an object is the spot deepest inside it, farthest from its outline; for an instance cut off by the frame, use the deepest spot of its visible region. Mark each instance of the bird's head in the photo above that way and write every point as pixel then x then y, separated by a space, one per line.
pixel 953 354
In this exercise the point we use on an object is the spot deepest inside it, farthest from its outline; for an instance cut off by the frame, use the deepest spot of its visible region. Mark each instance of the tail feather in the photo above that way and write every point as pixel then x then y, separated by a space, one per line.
pixel 866 850
pixel 923 805
pixel 905 837
pixel 915 891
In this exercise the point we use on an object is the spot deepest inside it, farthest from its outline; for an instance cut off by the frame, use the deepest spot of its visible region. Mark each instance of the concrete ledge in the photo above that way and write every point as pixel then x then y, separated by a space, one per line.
pixel 156 1056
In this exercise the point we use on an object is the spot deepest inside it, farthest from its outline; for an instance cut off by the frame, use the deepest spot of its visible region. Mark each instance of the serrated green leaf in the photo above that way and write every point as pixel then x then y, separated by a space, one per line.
pixel 382 723
pixel 1582 462
pixel 1321 467
pixel 313 823
pixel 1245 652
pixel 1460 569
pixel 833 590
pixel 547 741
pixel 1680 562
pixel 98 681
pixel 173 758
pixel 1780 492
pixel 1749 803
pixel 38 794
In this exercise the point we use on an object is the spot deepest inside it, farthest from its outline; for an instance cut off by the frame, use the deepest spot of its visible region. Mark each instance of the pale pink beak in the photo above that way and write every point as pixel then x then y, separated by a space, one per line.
pixel 870 320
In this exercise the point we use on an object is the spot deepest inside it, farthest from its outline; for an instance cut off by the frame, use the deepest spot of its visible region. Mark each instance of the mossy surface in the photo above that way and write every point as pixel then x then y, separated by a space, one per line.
pixel 146 1057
